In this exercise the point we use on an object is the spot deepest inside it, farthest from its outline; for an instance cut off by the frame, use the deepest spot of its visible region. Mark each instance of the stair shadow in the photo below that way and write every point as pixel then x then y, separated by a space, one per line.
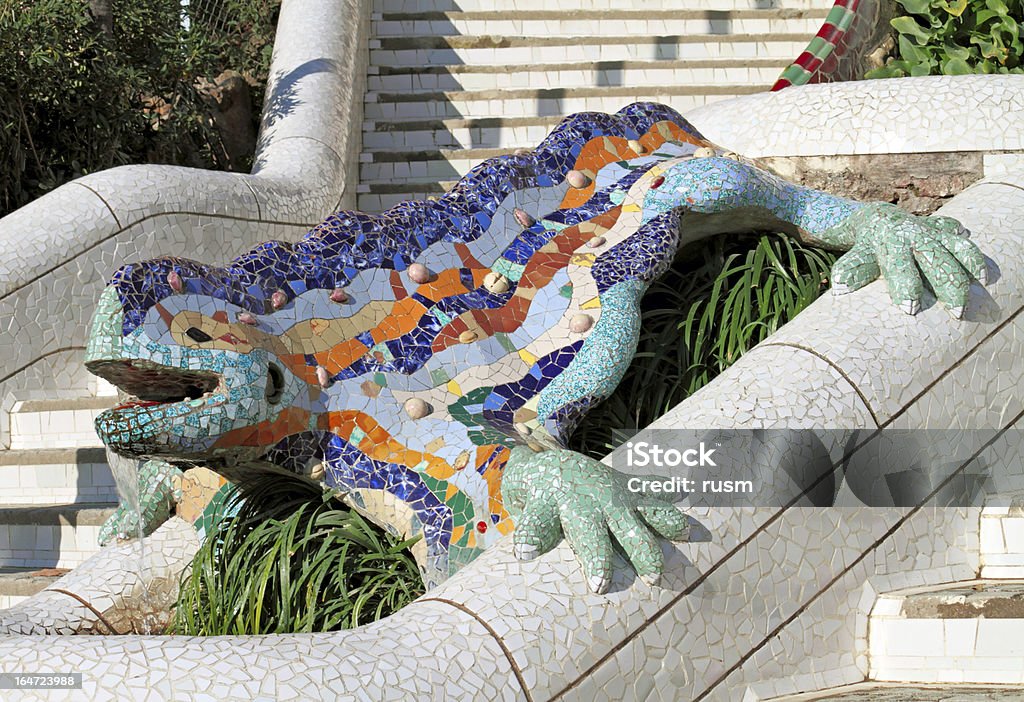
pixel 719 21
pixel 445 124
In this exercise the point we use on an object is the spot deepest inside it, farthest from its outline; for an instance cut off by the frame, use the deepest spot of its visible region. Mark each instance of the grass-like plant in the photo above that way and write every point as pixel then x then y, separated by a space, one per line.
pixel 720 298
pixel 293 559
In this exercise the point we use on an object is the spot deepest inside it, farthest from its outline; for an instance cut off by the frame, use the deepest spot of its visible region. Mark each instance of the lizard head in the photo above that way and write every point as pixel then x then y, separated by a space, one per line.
pixel 202 385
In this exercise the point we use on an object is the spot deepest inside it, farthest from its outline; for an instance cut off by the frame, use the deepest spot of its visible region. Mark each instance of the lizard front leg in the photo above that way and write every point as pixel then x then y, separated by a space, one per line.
pixel 558 492
pixel 881 239
pixel 157 496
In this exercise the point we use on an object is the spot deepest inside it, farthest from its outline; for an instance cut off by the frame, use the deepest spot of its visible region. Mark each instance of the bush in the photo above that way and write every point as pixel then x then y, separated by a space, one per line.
pixel 957 37
pixel 80 94
pixel 293 559
pixel 720 298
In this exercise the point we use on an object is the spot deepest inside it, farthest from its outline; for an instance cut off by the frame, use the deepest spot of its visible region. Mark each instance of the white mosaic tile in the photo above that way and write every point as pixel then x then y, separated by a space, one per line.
pixel 946 113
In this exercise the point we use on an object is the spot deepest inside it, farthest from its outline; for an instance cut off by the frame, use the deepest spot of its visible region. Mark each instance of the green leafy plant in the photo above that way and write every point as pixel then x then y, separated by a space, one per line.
pixel 242 31
pixel 720 298
pixel 80 94
pixel 293 559
pixel 957 37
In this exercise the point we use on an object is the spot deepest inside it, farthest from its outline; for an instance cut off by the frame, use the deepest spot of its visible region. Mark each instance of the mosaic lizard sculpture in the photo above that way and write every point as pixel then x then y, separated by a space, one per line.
pixel 417 359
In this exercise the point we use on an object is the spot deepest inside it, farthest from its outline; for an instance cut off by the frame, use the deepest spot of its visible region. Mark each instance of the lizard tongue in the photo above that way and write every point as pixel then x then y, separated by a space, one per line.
pixel 137 403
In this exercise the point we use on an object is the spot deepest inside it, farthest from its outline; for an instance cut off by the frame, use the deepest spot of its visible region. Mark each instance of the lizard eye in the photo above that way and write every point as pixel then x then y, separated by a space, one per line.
pixel 198 335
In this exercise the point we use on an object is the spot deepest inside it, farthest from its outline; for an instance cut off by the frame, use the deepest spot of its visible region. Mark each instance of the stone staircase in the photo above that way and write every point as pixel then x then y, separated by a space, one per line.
pixel 56 490
pixel 961 641
pixel 897 692
pixel 965 632
pixel 454 82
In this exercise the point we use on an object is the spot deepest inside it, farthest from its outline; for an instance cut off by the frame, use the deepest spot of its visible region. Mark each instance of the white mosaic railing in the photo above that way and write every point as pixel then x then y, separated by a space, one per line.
pixel 764 601
pixel 116 591
pixel 945 114
pixel 57 252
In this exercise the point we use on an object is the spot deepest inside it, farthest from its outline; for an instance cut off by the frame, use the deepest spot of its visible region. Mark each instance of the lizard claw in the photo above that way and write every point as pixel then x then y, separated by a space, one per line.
pixel 908 251
pixel 559 492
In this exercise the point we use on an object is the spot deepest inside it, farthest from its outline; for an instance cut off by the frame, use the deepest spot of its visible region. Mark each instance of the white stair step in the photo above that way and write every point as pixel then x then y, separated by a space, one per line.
pixel 419 171
pixel 502 50
pixel 1002 543
pixel 908 692
pixel 55 476
pixel 969 632
pixel 16 584
pixel 380 202
pixel 57 423
pixel 493 132
pixel 579 75
pixel 530 103
pixel 57 536
pixel 421 6
pixel 637 22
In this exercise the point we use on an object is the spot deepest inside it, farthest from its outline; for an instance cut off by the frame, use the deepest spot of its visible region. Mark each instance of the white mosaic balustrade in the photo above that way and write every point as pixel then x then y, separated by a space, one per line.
pixel 948 113
pixel 110 590
pixel 762 602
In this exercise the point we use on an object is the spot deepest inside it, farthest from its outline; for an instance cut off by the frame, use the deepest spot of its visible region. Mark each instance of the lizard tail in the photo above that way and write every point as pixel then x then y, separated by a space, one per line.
pixel 832 34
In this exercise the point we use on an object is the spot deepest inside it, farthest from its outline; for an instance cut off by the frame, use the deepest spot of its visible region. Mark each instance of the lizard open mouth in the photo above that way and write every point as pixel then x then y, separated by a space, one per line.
pixel 149 384
pixel 155 398
pixel 179 413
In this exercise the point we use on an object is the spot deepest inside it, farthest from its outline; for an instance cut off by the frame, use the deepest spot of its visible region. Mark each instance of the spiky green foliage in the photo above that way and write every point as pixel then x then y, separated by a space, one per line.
pixel 293 559
pixel 720 298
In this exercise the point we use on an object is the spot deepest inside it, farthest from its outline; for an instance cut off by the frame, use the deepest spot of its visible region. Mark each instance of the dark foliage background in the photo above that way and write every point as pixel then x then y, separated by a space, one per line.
pixel 87 85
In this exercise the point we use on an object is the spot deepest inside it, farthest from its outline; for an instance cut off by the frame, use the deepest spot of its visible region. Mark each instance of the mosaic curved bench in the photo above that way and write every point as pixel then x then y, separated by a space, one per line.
pixel 429 362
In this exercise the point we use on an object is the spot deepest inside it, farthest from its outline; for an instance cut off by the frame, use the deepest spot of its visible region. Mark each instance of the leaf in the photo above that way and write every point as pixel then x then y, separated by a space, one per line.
pixel 915 7
pixel 992 48
pixel 956 67
pixel 911 53
pixel 955 8
pixel 908 26
pixel 956 51
pixel 887 71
